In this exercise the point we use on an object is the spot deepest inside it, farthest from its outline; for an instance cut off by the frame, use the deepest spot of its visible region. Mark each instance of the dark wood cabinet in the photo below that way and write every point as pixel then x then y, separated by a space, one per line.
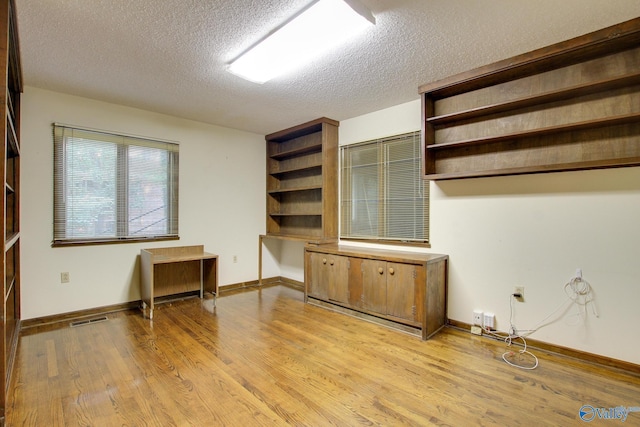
pixel 569 106
pixel 12 75
pixel 405 290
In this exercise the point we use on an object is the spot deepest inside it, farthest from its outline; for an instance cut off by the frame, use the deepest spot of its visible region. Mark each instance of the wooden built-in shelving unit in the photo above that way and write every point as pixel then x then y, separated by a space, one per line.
pixel 302 184
pixel 302 180
pixel 12 75
pixel 573 105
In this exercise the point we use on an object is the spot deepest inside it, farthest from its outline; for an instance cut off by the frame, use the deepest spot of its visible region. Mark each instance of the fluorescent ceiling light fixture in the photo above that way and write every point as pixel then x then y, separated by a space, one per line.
pixel 322 25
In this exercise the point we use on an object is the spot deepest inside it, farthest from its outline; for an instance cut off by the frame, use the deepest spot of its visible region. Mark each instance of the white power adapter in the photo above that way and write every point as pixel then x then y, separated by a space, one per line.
pixel 489 321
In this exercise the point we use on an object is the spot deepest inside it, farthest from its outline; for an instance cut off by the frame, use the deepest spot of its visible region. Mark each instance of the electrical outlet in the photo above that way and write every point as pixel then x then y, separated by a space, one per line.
pixel 489 321
pixel 477 317
pixel 519 290
pixel 235 259
pixel 64 277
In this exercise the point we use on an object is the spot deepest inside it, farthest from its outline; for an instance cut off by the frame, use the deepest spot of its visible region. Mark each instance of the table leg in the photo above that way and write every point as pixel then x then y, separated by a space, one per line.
pixel 201 278
pixel 260 260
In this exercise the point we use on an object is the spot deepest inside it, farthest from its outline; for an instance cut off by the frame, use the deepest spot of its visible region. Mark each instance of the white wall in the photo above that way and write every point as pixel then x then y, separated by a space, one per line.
pixel 534 231
pixel 222 204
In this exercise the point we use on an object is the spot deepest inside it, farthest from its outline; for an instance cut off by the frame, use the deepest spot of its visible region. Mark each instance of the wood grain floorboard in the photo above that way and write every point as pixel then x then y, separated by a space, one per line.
pixel 262 357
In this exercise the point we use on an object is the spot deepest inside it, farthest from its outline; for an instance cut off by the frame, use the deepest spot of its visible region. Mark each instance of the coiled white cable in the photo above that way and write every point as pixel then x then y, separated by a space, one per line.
pixel 579 291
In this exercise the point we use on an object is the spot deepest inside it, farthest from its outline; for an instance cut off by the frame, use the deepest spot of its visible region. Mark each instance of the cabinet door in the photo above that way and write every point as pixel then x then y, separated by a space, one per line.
pixel 318 276
pixel 328 277
pixel 402 284
pixel 374 285
pixel 356 295
pixel 338 275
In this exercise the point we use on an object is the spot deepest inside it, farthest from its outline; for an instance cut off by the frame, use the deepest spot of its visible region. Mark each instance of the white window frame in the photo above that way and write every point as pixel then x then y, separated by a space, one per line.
pixel 124 146
pixel 388 219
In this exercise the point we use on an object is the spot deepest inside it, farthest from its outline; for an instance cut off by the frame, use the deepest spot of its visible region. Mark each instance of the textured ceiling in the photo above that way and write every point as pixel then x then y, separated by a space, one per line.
pixel 169 56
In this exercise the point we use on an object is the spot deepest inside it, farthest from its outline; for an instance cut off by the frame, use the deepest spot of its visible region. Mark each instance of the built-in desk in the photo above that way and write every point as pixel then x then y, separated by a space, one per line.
pixel 176 270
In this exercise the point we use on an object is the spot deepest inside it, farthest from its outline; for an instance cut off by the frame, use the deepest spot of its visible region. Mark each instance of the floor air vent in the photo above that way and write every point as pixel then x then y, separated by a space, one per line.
pixel 88 321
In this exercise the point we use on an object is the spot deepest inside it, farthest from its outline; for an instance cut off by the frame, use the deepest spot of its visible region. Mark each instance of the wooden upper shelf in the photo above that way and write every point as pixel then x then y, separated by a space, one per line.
pixel 572 105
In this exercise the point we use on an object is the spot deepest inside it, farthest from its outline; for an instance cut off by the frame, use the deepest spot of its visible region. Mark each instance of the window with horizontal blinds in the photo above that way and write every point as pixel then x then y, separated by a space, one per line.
pixel 383 195
pixel 110 187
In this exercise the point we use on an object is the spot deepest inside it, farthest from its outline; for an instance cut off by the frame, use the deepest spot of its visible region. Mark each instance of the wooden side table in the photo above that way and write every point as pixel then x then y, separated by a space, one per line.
pixel 176 270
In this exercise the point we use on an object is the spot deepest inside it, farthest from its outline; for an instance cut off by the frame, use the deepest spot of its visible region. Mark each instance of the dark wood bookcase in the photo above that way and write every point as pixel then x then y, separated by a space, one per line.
pixel 12 75
pixel 302 181
pixel 569 106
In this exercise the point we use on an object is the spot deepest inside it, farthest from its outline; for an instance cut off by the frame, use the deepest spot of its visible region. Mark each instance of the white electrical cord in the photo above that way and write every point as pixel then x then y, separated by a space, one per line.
pixel 522 352
pixel 508 339
pixel 578 292
pixel 581 294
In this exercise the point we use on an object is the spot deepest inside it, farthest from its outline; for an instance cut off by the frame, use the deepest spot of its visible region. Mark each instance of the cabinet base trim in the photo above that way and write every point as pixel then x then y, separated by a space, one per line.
pixel 416 332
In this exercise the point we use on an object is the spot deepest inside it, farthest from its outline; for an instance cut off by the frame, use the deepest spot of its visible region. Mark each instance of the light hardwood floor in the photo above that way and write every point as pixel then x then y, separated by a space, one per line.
pixel 262 357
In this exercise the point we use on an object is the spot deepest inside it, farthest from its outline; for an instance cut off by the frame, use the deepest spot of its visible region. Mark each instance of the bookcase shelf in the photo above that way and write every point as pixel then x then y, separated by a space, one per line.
pixel 296 169
pixel 295 214
pixel 569 106
pixel 589 124
pixel 315 148
pixel 302 179
pixel 528 101
pixel 291 190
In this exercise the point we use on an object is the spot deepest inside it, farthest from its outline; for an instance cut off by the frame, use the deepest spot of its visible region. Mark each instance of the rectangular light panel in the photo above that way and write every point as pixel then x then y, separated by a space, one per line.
pixel 320 27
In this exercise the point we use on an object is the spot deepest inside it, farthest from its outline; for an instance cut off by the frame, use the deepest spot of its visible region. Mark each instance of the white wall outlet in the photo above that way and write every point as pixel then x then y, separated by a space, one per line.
pixel 235 259
pixel 64 277
pixel 519 290
pixel 489 321
pixel 477 317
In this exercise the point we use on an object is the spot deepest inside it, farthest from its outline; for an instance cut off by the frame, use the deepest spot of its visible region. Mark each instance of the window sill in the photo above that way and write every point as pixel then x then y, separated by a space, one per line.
pixel 388 242
pixel 67 243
